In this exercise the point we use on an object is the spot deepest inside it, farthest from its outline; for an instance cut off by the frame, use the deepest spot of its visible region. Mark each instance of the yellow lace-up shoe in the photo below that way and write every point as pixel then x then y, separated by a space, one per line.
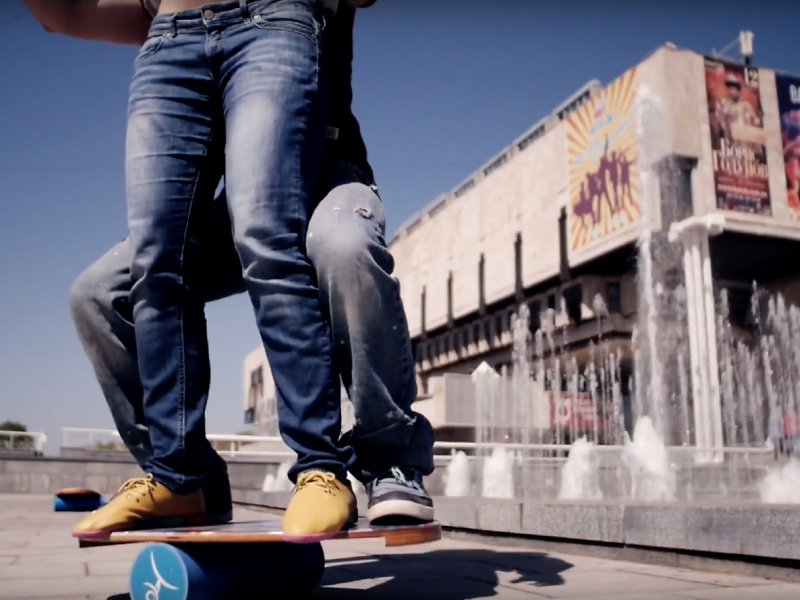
pixel 141 503
pixel 320 504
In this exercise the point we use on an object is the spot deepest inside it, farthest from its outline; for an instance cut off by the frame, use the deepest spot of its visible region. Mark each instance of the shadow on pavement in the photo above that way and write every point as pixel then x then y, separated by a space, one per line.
pixel 441 574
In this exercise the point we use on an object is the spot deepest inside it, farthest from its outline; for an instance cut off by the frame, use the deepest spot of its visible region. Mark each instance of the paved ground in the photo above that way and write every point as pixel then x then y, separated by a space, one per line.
pixel 38 559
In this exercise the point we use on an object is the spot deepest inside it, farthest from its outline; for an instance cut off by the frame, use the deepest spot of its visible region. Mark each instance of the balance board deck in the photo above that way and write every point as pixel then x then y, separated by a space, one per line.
pixel 269 531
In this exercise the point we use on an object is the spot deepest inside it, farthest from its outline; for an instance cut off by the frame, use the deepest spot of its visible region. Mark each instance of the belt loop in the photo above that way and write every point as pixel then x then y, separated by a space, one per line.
pixel 173 23
pixel 245 11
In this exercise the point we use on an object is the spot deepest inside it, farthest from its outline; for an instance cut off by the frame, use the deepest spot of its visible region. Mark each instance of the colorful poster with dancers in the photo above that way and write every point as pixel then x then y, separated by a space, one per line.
pixel 603 169
pixel 738 140
pixel 789 111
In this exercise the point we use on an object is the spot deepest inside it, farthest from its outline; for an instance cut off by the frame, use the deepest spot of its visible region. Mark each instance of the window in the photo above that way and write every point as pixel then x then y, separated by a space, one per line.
pixel 464 188
pixel 450 296
pixel 481 281
pixel 563 246
pixel 518 264
pixel 573 298
pixel 439 207
pixel 495 164
pixel 614 297
pixel 414 225
pixel 422 310
pixel 535 308
pixel 531 137
pixel 256 391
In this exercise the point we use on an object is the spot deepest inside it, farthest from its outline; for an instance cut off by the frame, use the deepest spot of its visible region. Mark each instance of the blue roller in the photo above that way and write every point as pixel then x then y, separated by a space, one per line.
pixel 216 571
pixel 78 503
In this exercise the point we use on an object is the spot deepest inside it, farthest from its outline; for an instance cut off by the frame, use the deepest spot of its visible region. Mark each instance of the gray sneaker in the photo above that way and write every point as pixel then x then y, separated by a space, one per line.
pixel 398 497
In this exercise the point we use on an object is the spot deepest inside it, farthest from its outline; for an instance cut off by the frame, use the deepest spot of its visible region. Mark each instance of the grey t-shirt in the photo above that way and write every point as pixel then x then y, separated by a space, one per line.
pixel 151 6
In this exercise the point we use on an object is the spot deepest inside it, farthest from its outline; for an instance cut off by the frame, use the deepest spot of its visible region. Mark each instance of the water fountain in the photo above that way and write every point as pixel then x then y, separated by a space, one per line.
pixel 691 423
pixel 579 476
pixel 278 481
pixel 457 478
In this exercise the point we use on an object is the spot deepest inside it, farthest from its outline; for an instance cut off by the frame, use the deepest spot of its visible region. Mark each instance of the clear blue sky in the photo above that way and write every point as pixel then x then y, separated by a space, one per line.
pixel 440 86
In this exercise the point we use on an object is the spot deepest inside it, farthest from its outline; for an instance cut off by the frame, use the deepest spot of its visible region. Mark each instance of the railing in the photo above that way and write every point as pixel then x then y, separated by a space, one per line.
pixel 16 440
pixel 242 445
pixel 104 440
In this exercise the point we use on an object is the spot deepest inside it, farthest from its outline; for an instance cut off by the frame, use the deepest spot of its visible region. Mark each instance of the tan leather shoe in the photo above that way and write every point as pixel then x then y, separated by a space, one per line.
pixel 141 503
pixel 320 504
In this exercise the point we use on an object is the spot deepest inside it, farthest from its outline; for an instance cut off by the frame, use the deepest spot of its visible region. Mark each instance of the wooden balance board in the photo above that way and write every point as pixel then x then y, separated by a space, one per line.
pixel 240 559
pixel 77 500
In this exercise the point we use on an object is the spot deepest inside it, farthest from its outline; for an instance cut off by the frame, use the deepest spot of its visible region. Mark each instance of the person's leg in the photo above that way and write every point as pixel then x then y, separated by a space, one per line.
pixel 372 347
pixel 172 167
pixel 275 117
pixel 103 316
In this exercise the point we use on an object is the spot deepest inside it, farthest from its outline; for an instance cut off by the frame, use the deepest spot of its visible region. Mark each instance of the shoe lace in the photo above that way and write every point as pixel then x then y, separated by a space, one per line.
pixel 138 486
pixel 398 476
pixel 326 481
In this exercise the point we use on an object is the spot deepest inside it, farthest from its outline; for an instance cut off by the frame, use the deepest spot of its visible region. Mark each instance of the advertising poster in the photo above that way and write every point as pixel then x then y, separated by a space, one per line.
pixel 602 166
pixel 738 151
pixel 789 111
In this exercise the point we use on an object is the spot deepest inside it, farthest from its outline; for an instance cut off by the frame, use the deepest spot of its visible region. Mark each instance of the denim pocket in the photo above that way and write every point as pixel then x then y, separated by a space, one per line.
pixel 294 22
pixel 151 46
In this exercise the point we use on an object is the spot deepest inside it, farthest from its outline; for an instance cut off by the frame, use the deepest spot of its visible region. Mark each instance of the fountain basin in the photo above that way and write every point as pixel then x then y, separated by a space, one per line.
pixel 741 529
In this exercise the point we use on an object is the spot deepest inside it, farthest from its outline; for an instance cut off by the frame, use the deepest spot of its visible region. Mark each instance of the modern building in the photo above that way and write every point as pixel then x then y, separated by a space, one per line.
pixel 683 143
pixel 261 400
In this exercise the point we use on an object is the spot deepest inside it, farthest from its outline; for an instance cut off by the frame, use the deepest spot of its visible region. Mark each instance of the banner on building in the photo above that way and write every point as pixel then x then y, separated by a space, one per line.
pixel 789 110
pixel 738 140
pixel 603 169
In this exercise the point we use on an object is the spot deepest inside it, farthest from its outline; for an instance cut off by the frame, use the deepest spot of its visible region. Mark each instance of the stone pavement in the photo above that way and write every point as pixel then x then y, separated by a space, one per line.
pixel 38 559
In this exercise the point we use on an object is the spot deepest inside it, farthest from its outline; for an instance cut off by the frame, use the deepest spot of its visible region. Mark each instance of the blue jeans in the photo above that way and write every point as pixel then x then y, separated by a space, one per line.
pixel 239 88
pixel 347 248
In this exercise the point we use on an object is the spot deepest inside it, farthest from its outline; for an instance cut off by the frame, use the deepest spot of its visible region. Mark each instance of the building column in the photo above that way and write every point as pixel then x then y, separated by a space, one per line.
pixel 693 234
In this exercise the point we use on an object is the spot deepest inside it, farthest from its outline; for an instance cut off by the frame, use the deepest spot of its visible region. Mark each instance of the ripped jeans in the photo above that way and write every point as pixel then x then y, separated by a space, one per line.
pixel 372 349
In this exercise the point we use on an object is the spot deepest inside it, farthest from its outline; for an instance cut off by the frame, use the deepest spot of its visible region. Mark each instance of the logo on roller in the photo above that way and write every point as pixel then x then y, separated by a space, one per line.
pixel 154 589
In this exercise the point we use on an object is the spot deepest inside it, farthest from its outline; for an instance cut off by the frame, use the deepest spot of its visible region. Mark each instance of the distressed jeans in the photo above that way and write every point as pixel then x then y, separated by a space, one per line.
pixel 239 87
pixel 360 297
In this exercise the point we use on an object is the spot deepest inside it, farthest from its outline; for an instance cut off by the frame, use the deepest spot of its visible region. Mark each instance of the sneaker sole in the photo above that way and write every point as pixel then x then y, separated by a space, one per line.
pixel 220 519
pixel 400 509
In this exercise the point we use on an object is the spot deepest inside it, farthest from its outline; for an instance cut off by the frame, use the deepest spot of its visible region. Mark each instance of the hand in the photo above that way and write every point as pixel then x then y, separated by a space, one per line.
pixel 115 21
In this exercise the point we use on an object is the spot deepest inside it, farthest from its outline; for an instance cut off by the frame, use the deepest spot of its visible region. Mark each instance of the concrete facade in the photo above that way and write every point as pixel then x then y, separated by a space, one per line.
pixel 507 235
pixel 520 231
pixel 522 191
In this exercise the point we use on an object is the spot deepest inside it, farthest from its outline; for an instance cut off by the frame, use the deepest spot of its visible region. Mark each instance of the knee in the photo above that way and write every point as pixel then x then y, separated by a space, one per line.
pixel 345 236
pixel 338 254
pixel 85 298
pixel 92 295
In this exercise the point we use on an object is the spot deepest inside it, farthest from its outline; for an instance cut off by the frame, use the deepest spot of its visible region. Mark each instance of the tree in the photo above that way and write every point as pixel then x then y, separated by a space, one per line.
pixel 15 442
